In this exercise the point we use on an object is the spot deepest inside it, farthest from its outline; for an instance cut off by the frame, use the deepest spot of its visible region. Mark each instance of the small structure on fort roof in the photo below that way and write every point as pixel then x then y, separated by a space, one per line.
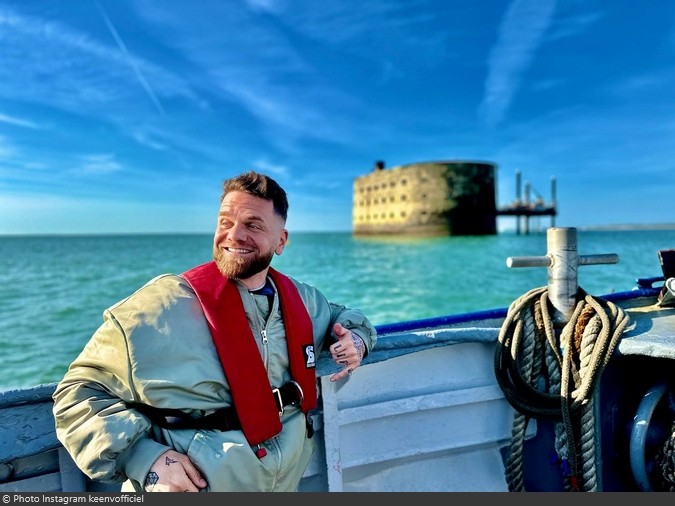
pixel 427 198
pixel 437 198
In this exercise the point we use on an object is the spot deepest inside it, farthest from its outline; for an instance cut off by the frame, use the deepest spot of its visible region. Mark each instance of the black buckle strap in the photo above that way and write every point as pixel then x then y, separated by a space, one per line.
pixel 289 394
pixel 221 419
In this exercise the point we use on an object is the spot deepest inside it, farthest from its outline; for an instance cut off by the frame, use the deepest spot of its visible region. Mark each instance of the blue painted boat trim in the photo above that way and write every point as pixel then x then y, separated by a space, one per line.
pixel 489 314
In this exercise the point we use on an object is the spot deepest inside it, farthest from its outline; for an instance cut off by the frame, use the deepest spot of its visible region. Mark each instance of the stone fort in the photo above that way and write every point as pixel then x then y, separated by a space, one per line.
pixel 426 199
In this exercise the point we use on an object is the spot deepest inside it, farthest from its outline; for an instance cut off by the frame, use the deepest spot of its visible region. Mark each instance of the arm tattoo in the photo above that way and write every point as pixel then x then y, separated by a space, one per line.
pixel 359 345
pixel 168 461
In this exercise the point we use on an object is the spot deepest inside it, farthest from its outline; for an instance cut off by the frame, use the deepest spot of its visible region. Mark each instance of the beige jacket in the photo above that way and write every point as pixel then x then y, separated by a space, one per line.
pixel 154 347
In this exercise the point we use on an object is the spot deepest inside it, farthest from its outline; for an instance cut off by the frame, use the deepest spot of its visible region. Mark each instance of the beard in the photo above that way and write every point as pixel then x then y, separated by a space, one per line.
pixel 241 268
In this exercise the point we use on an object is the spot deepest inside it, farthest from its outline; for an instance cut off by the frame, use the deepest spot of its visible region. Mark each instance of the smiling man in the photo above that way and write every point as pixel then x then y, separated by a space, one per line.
pixel 206 381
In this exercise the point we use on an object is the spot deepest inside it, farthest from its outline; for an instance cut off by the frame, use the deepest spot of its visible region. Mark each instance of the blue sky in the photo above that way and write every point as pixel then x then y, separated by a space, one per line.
pixel 126 116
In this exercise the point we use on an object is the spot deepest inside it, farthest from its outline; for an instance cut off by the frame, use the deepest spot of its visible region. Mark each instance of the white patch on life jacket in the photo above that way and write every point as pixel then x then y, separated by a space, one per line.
pixel 309 356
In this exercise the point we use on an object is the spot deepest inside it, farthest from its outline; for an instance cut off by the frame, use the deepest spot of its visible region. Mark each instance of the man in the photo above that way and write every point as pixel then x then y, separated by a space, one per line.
pixel 205 381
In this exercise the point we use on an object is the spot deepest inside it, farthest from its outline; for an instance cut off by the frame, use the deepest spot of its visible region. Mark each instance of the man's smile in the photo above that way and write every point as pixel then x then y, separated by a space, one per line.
pixel 238 251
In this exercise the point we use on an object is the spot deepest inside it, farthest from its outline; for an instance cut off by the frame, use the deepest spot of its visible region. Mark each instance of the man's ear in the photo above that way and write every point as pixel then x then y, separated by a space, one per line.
pixel 283 239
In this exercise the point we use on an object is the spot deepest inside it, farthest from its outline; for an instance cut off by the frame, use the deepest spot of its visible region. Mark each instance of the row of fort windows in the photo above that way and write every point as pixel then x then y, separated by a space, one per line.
pixel 376 187
pixel 383 216
pixel 383 200
pixel 391 184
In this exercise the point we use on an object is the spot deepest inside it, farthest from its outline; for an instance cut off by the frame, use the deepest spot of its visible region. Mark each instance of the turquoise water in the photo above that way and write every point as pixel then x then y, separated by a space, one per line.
pixel 55 288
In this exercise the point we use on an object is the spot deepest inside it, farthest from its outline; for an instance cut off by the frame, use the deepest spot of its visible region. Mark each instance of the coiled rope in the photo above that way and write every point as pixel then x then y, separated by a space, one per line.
pixel 666 462
pixel 546 377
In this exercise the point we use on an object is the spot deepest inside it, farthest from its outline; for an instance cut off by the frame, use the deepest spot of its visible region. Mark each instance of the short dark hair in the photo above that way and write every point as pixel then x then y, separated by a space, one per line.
pixel 258 185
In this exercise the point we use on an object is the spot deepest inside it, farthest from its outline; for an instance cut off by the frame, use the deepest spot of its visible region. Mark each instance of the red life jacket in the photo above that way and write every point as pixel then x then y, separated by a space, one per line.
pixel 239 355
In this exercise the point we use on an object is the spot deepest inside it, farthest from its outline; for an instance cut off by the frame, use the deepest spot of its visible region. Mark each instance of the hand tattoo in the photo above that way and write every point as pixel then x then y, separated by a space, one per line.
pixel 168 461
pixel 359 345
pixel 151 480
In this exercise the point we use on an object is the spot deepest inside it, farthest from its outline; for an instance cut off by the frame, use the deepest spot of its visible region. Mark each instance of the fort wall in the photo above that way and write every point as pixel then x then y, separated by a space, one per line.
pixel 427 198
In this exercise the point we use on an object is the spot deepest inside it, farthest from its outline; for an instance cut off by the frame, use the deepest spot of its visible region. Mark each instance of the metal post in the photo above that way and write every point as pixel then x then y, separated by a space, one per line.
pixel 561 246
pixel 553 201
pixel 563 262
pixel 519 202
pixel 527 207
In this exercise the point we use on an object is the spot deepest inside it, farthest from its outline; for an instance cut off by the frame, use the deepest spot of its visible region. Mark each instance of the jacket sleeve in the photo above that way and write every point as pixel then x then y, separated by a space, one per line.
pixel 325 314
pixel 356 321
pixel 107 440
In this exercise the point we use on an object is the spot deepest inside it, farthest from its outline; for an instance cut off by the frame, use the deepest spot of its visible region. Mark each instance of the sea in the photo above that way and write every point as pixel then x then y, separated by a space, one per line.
pixel 56 287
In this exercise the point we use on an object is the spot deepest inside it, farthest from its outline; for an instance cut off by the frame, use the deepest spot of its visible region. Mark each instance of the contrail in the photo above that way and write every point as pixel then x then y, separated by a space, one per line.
pixel 130 59
pixel 520 35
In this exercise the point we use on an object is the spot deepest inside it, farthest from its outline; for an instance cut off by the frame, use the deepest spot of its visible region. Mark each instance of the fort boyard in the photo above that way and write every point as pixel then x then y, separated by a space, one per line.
pixel 426 199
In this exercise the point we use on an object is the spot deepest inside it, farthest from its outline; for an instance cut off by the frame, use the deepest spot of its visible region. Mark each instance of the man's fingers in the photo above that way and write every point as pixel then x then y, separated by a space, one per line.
pixel 197 478
pixel 340 331
pixel 347 371
pixel 344 353
pixel 193 473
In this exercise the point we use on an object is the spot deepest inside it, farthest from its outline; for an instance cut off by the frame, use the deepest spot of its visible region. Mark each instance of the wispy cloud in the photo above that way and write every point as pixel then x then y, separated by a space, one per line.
pixel 18 122
pixel 98 164
pixel 5 149
pixel 65 68
pixel 519 37
pixel 145 138
pixel 575 25
pixel 270 168
pixel 261 71
pixel 266 5
pixel 257 69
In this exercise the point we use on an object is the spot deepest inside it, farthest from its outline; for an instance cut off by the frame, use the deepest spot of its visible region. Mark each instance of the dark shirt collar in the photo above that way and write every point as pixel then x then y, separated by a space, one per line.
pixel 268 289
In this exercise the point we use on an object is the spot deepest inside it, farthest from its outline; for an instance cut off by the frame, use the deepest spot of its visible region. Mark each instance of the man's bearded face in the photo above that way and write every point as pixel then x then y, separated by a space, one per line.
pixel 240 267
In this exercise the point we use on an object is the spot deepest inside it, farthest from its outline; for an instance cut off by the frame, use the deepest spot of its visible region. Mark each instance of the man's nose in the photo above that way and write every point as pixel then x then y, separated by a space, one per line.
pixel 237 232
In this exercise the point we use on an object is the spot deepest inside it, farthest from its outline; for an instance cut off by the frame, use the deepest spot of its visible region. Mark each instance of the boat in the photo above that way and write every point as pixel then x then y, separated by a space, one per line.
pixel 454 404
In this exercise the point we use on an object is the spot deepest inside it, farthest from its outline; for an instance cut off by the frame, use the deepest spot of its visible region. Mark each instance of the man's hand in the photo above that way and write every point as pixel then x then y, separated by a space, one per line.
pixel 174 472
pixel 348 351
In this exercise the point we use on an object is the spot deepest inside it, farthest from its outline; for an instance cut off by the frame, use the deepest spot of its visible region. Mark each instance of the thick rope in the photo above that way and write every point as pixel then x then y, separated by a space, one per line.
pixel 513 463
pixel 546 376
pixel 666 462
